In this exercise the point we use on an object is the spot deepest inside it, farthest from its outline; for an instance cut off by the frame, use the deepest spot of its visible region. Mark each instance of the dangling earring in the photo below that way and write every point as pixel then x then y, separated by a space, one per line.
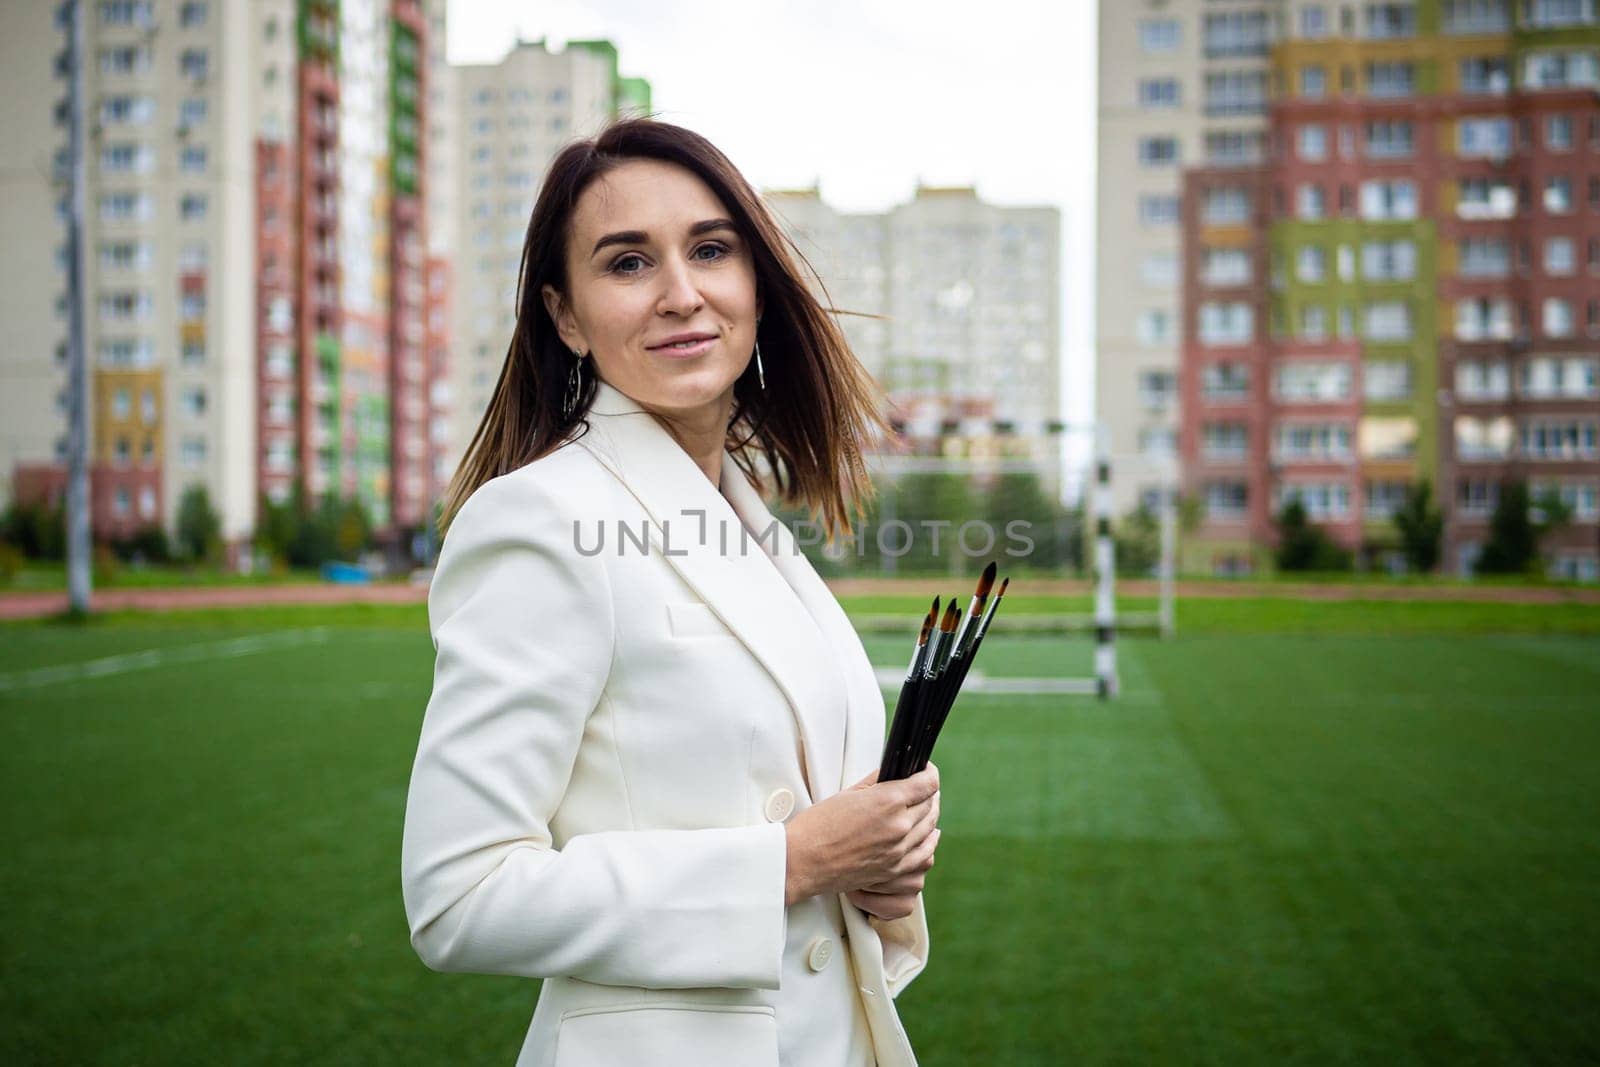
pixel 574 386
pixel 761 372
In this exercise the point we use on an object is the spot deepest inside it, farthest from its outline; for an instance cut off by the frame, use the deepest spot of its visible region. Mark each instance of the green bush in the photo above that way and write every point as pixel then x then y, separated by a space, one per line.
pixel 1303 546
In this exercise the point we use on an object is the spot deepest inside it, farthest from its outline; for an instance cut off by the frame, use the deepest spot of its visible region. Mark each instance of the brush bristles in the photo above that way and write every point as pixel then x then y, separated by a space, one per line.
pixel 947 624
pixel 986 582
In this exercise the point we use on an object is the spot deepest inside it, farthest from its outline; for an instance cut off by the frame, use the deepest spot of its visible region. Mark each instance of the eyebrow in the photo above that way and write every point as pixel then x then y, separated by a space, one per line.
pixel 639 237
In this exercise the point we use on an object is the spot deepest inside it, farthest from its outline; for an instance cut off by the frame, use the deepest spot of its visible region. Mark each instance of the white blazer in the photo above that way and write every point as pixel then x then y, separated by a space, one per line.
pixel 613 742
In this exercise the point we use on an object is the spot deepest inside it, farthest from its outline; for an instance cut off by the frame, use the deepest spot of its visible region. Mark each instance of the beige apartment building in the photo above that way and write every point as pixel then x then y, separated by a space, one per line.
pixel 509 120
pixel 959 309
pixel 167 254
pixel 1182 83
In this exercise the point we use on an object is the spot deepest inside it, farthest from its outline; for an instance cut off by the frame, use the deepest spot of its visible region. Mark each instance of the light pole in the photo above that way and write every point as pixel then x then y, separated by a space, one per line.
pixel 79 575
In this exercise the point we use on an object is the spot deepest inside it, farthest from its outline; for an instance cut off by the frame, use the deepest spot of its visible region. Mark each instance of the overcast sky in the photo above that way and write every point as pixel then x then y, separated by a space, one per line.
pixel 865 97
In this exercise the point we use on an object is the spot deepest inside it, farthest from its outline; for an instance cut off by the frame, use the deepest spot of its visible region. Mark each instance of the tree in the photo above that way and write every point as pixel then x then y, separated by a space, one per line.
pixel 1138 542
pixel 1420 525
pixel 1517 527
pixel 199 525
pixel 1305 547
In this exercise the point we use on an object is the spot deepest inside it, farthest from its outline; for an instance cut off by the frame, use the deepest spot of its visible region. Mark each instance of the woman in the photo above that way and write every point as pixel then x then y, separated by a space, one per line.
pixel 633 778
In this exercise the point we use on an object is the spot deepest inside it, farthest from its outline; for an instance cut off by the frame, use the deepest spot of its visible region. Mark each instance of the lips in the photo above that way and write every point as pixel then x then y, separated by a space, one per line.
pixel 681 342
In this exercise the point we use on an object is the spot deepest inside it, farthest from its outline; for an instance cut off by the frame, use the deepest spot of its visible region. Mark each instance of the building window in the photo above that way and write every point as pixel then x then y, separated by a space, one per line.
pixel 1158 151
pixel 125 13
pixel 192 207
pixel 1227 500
pixel 1225 266
pixel 193 401
pixel 1158 210
pixel 1309 202
pixel 1313 82
pixel 1476 16
pixel 1236 92
pixel 192 63
pixel 121 405
pixel 147 495
pixel 1556 318
pixel 1225 382
pixel 1483 319
pixel 1225 441
pixel 193 451
pixel 1157 390
pixel 127 110
pixel 1389 261
pixel 1385 499
pixel 1159 270
pixel 1391 21
pixel 1158 36
pixel 1313 21
pixel 1388 199
pixel 1560 70
pixel 1558 132
pixel 1556 377
pixel 1323 501
pixel 1313 323
pixel 1234 148
pixel 1482 380
pixel 1389 139
pixel 1485 75
pixel 191 111
pixel 1239 33
pixel 1154 327
pixel 1158 92
pixel 1316 442
pixel 1386 379
pixel 1311 381
pixel 1483 138
pixel 192 159
pixel 1560 256
pixel 1311 263
pixel 1485 198
pixel 1391 79
pixel 1225 206
pixel 1311 143
pixel 1558 196
pixel 1387 320
pixel 1569 439
pixel 192 14
pixel 1230 323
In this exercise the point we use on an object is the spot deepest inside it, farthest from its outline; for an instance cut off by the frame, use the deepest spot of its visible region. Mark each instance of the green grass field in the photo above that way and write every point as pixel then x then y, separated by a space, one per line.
pixel 1354 834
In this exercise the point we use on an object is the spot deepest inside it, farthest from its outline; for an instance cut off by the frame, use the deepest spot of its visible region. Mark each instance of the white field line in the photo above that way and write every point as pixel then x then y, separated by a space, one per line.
pixel 976 681
pixel 162 657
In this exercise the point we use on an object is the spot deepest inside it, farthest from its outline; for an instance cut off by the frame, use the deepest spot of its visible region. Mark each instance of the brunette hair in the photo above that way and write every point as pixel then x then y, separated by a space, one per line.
pixel 820 412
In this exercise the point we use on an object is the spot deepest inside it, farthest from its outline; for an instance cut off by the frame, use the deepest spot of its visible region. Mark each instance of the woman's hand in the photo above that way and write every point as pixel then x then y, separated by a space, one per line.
pixel 874 841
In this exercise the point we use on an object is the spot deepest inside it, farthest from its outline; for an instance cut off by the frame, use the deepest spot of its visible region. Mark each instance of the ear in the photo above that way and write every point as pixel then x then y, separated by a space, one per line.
pixel 561 315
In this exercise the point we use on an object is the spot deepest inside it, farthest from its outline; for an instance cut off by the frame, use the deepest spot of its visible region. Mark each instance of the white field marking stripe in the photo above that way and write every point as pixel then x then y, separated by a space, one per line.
pixel 976 682
pixel 160 657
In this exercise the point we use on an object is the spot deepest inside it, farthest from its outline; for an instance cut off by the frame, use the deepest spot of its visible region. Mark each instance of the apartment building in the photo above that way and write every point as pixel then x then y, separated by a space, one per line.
pixel 509 121
pixel 1406 289
pixel 346 383
pixel 953 304
pixel 1182 83
pixel 168 251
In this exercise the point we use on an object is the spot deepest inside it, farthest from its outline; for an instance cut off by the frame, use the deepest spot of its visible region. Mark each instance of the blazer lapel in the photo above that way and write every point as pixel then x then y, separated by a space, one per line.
pixel 862 738
pixel 697 530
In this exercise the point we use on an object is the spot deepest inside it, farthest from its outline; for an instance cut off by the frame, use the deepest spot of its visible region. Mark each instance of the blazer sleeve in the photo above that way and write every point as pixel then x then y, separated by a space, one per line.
pixel 522 624
pixel 905 946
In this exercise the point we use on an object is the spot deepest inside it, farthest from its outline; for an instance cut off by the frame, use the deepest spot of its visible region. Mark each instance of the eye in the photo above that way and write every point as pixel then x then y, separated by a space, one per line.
pixel 716 247
pixel 620 264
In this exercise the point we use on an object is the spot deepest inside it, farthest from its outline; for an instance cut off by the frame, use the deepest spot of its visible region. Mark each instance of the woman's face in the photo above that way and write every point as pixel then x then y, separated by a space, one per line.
pixel 652 259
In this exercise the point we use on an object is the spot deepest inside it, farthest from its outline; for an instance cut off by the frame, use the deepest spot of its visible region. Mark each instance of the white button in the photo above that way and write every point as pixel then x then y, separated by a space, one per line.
pixel 779 805
pixel 868 992
pixel 821 953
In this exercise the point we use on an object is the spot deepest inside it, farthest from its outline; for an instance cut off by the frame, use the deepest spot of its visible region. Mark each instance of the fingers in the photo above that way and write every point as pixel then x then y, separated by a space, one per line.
pixel 871 779
pixel 921 786
pixel 919 860
pixel 884 905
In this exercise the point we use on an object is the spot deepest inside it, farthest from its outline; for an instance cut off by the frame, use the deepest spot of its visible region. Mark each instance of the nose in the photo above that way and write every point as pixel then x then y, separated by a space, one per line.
pixel 679 293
